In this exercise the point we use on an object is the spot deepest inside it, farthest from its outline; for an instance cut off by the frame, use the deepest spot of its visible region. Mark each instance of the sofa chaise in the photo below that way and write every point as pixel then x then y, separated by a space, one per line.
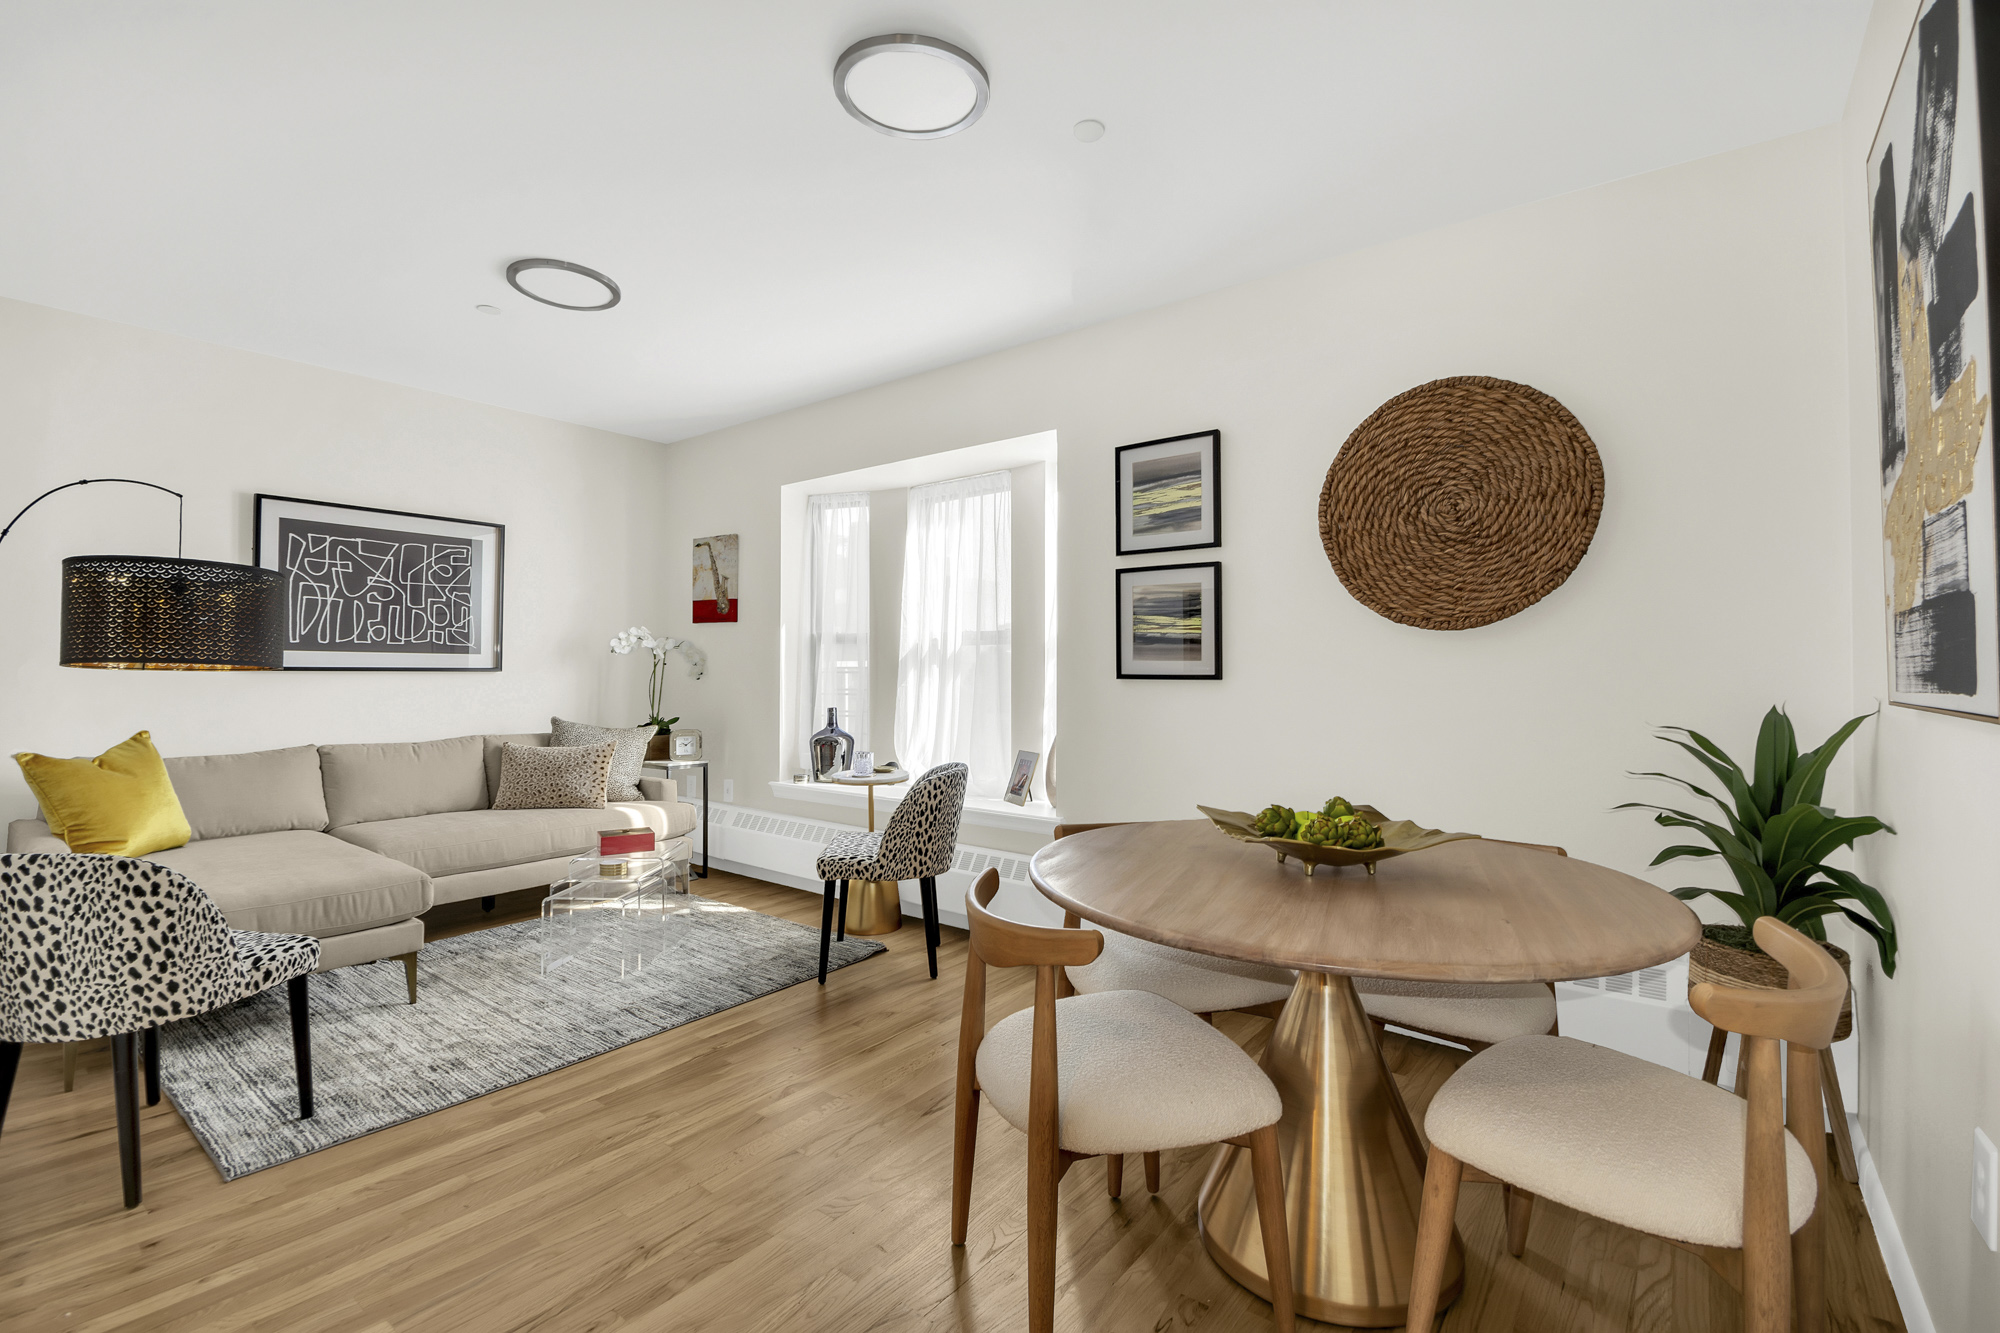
pixel 351 843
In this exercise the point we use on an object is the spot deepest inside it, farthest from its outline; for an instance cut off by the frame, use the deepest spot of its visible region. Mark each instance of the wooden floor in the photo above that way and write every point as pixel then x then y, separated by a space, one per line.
pixel 783 1165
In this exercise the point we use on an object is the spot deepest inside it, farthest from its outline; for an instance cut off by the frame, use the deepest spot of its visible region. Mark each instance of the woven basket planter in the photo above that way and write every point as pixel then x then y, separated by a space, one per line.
pixel 1723 966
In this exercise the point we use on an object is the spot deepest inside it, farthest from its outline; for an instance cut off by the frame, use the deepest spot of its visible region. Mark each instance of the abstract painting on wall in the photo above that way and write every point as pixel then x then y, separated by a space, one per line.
pixel 1934 340
pixel 382 590
pixel 1170 493
pixel 715 580
pixel 1169 622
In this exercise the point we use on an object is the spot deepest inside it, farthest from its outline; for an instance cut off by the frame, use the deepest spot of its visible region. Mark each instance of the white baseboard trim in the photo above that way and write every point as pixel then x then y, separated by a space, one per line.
pixel 1889 1236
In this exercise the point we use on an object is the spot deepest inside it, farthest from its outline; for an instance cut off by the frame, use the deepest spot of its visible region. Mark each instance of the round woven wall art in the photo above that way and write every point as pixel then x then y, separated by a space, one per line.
pixel 1461 502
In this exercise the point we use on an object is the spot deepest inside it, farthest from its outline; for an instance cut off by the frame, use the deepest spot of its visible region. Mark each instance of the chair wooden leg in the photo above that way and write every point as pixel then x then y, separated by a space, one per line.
pixel 965 1139
pixel 1434 1226
pixel 841 933
pixel 410 973
pixel 1114 1173
pixel 1836 1114
pixel 302 1054
pixel 1044 1173
pixel 10 1060
pixel 1063 987
pixel 1767 1249
pixel 1152 1173
pixel 1267 1173
pixel 825 928
pixel 125 1087
pixel 1711 1072
pixel 927 887
pixel 1520 1211
pixel 69 1065
pixel 1802 1116
pixel 151 1047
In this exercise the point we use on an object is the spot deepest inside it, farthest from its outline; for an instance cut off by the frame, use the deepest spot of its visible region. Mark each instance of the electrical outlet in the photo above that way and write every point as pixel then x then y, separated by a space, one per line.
pixel 1986 1189
pixel 729 789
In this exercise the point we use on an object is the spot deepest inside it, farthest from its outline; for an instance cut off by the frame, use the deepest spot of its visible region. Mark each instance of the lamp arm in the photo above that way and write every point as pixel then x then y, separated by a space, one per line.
pixel 180 520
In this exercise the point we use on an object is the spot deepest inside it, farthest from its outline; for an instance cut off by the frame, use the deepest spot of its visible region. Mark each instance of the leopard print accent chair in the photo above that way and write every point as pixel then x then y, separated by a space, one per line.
pixel 112 946
pixel 920 842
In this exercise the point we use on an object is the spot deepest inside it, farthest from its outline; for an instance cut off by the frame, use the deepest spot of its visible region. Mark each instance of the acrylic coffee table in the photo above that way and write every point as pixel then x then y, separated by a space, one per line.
pixel 616 913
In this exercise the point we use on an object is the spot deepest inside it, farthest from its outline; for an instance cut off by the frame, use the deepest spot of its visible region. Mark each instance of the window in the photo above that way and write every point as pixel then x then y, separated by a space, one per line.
pixel 954 674
pixel 833 638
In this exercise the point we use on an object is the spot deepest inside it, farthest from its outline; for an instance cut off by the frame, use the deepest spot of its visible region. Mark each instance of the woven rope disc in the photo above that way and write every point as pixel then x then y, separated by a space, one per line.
pixel 1461 502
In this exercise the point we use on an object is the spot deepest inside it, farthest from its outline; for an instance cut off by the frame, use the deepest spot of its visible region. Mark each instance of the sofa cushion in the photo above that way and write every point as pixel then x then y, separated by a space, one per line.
pixel 302 883
pixel 495 744
pixel 468 840
pixel 367 783
pixel 228 795
pixel 565 777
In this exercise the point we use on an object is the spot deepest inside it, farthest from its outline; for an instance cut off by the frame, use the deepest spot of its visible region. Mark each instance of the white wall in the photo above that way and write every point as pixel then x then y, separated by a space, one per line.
pixel 82 397
pixel 1692 319
pixel 1930 1037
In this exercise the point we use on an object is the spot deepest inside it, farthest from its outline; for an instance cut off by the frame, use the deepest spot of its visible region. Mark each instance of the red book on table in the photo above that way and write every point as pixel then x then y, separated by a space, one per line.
pixel 624 841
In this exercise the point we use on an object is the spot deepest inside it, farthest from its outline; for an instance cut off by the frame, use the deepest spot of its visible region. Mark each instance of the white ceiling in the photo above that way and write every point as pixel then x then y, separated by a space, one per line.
pixel 341 183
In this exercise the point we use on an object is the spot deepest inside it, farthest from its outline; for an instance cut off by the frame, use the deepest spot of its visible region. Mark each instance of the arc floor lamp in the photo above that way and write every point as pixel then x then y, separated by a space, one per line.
pixel 161 613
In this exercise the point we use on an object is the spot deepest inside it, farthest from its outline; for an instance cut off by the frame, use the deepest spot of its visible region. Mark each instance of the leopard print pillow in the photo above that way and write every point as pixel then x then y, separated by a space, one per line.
pixel 554 777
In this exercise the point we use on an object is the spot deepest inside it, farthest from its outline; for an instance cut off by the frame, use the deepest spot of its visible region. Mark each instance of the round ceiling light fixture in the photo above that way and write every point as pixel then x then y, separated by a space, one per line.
pixel 564 285
pixel 909 86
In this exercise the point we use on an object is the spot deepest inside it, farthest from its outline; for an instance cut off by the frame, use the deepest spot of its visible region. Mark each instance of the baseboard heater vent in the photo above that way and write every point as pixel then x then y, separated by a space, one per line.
pixel 973 861
pixel 1653 984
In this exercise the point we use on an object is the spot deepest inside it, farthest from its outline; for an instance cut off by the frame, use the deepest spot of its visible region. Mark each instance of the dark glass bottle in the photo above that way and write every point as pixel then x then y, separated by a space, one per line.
pixel 832 749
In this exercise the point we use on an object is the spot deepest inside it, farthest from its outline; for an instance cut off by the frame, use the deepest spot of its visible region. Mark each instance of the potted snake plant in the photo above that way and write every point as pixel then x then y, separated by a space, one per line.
pixel 1774 836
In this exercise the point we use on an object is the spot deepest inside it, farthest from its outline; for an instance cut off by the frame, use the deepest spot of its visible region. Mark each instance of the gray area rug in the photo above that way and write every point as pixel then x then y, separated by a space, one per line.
pixel 487 1018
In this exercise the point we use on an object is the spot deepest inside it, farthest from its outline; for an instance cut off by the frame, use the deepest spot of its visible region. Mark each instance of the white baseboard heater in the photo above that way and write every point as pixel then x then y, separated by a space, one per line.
pixel 783 850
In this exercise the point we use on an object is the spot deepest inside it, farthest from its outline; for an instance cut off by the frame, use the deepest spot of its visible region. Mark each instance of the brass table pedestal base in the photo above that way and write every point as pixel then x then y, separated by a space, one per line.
pixel 874 906
pixel 1354 1181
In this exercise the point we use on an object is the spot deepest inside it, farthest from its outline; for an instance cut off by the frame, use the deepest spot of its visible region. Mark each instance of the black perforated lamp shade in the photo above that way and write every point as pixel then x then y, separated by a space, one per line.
pixel 162 613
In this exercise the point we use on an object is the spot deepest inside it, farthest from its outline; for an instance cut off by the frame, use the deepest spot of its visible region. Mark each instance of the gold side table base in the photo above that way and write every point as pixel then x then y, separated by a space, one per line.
pixel 874 906
pixel 1353 1180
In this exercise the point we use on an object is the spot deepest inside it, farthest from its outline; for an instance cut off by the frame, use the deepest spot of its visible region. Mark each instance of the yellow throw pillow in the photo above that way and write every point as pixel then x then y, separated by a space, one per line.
pixel 119 804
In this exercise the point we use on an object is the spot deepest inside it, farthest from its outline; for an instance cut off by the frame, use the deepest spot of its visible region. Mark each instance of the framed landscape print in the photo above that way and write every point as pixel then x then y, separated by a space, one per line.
pixel 1933 255
pixel 715 580
pixel 383 590
pixel 1170 622
pixel 1169 494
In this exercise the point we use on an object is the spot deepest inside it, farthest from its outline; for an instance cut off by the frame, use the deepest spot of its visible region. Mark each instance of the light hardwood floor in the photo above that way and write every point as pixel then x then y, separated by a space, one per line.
pixel 783 1165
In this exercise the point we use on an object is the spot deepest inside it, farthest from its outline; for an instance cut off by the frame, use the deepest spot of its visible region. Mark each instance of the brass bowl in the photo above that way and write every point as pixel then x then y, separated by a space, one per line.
pixel 1399 836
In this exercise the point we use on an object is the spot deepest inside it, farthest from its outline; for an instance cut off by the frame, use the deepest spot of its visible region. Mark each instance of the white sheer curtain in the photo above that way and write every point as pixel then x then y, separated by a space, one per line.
pixel 954 692
pixel 833 619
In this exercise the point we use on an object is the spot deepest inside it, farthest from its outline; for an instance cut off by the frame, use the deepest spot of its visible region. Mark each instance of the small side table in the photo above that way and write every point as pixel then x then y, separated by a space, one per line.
pixel 702 764
pixel 875 906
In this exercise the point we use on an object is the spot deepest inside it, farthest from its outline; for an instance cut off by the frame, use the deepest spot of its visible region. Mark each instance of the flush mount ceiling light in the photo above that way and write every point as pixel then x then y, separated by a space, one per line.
pixel 911 87
pixel 564 285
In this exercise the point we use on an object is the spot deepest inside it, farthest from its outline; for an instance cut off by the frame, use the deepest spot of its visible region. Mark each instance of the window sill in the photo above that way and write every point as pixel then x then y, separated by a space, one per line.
pixel 980 811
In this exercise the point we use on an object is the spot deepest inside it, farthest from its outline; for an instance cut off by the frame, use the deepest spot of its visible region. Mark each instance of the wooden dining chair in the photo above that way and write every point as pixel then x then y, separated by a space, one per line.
pixel 1092 1075
pixel 1829 1084
pixel 1469 1014
pixel 1200 983
pixel 1645 1147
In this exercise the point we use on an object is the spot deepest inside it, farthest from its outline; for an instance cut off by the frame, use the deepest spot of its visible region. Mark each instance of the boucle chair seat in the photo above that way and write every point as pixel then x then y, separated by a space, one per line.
pixel 1610 1135
pixel 1489 1014
pixel 1196 982
pixel 1135 1073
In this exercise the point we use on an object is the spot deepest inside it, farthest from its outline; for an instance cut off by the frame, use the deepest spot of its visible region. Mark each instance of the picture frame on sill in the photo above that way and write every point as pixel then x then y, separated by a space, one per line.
pixel 1937 327
pixel 370 589
pixel 1169 622
pixel 1020 785
pixel 1169 493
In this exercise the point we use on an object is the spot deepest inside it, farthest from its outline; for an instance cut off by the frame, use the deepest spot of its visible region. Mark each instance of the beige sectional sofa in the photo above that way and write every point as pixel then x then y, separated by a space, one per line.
pixel 350 843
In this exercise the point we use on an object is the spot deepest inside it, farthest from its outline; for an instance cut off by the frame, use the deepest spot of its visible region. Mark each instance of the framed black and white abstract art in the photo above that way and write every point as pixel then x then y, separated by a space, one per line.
pixel 1169 620
pixel 383 590
pixel 1170 494
pixel 1933 255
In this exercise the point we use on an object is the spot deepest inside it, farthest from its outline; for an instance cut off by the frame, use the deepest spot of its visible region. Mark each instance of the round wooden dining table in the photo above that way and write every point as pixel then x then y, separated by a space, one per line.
pixel 1467 911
